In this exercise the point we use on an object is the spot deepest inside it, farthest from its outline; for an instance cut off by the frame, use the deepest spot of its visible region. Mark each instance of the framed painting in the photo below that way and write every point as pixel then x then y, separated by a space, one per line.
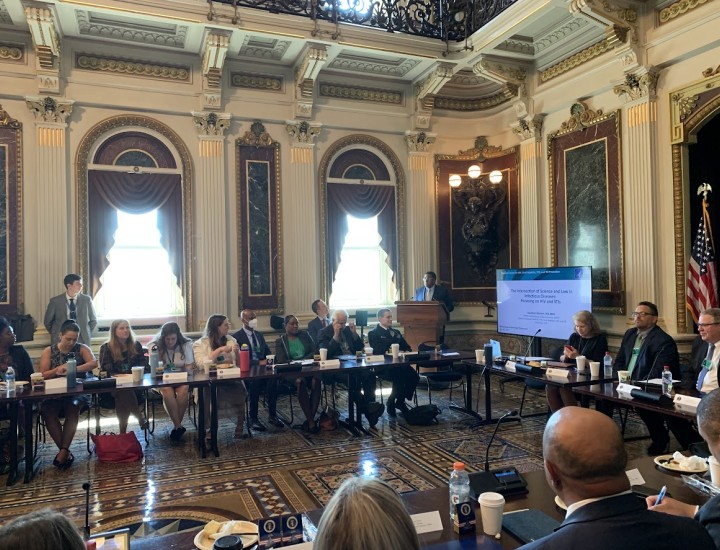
pixel 586 201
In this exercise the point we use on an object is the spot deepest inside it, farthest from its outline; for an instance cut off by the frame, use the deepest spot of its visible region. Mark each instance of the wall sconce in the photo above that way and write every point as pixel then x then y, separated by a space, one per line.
pixel 474 171
pixel 455 180
pixel 495 177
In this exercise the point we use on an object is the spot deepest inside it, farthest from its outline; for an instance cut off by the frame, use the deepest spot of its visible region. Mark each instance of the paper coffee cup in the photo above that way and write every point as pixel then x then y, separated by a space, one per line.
pixel 323 354
pixel 714 471
pixel 368 350
pixel 206 367
pixel 137 374
pixel 580 360
pixel 595 368
pixel 395 349
pixel 479 355
pixel 491 511
pixel 623 376
pixel 270 360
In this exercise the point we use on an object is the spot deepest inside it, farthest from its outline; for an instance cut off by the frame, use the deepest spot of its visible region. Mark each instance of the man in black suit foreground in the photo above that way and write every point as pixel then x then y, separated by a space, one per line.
pixel 708 417
pixel 585 463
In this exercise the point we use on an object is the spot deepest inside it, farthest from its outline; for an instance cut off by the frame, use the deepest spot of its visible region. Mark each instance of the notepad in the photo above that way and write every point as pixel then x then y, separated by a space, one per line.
pixel 529 525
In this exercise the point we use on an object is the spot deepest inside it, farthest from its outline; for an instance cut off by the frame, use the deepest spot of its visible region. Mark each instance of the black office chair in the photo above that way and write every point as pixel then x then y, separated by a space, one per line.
pixel 441 379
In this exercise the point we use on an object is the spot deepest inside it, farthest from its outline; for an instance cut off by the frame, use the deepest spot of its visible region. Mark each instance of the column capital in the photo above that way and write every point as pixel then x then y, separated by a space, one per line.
pixel 48 109
pixel 418 142
pixel 529 127
pixel 639 84
pixel 211 123
pixel 302 132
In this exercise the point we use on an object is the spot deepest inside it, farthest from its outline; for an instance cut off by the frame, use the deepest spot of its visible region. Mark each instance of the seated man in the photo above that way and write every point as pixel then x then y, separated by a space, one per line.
pixel 644 351
pixel 258 351
pixel 702 374
pixel 340 339
pixel 320 321
pixel 404 378
pixel 585 459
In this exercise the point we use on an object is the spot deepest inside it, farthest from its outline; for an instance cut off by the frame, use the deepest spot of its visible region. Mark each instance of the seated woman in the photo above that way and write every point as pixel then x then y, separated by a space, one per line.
pixel 41 530
pixel 365 513
pixel 15 356
pixel 117 355
pixel 295 345
pixel 176 352
pixel 217 346
pixel 587 340
pixel 53 363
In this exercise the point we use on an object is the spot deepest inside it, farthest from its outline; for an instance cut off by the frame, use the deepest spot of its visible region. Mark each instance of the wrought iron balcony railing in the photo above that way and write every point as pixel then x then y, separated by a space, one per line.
pixel 448 20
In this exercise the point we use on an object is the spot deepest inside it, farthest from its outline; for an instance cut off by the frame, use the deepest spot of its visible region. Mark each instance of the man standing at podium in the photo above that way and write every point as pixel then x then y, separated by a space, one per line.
pixel 430 291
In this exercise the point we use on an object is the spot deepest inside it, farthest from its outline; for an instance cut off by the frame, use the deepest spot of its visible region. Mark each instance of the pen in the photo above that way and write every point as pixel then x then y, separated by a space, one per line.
pixel 661 496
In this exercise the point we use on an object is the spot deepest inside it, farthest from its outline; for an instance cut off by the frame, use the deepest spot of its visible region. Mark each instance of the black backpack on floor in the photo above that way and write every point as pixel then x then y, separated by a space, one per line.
pixel 423 415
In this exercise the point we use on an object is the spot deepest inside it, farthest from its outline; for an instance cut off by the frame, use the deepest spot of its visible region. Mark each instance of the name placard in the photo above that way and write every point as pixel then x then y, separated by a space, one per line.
pixel 233 372
pixel 375 359
pixel 625 390
pixel 329 364
pixel 686 403
pixel 123 380
pixel 175 377
pixel 510 365
pixel 557 373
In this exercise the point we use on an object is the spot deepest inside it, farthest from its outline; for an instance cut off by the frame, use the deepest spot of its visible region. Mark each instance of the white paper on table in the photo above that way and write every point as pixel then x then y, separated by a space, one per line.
pixel 427 522
pixel 635 477
pixel 658 381
pixel 450 354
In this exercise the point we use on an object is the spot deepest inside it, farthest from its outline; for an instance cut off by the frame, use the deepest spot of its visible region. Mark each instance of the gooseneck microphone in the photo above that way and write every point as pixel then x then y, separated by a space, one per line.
pixel 652 366
pixel 86 488
pixel 487 451
pixel 525 359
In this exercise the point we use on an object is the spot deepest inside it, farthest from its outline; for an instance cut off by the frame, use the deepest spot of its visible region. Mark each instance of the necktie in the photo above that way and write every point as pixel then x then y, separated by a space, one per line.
pixel 427 294
pixel 703 370
pixel 324 323
pixel 255 346
pixel 73 309
pixel 633 359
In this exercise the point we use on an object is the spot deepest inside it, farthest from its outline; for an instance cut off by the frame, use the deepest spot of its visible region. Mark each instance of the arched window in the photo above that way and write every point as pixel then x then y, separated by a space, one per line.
pixel 362 221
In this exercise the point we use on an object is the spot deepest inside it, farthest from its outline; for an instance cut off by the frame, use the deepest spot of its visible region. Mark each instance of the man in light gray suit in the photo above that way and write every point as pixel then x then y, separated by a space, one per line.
pixel 71 305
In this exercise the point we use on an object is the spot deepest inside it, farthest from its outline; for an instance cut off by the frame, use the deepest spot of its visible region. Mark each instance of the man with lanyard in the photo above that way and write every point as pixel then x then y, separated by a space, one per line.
pixel 258 351
pixel 702 374
pixel 644 352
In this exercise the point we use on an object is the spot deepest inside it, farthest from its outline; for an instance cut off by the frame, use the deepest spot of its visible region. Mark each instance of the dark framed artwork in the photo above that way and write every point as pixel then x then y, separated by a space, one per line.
pixel 586 201
pixel 11 265
pixel 478 222
pixel 259 227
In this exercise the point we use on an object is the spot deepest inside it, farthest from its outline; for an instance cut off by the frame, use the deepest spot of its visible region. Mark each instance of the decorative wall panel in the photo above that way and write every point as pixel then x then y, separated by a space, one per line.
pixel 11 267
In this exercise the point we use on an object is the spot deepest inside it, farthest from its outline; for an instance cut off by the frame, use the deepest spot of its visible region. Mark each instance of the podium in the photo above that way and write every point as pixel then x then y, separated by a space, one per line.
pixel 422 321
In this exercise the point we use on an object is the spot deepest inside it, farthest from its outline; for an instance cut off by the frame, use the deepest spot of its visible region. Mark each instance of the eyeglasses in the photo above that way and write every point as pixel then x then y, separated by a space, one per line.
pixel 700 325
pixel 641 314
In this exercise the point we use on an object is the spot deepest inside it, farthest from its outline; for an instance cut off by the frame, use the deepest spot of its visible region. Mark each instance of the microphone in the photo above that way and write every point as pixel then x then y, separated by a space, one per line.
pixel 530 345
pixel 497 426
pixel 86 488
pixel 652 367
pixel 489 308
pixel 506 481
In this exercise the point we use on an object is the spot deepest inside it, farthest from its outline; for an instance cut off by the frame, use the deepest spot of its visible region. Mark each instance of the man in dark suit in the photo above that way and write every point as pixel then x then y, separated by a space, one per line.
pixel 404 378
pixel 644 351
pixel 584 457
pixel 339 338
pixel 430 291
pixel 258 352
pixel 705 355
pixel 708 417
pixel 321 321
pixel 71 305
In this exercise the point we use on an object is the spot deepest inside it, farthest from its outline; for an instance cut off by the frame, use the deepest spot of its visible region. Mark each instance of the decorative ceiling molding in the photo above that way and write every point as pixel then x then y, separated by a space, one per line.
pixel 425 92
pixel 357 93
pixel 677 9
pixel 517 44
pixel 501 73
pixel 12 52
pixel 107 64
pixel 302 132
pixel 49 109
pixel 44 36
pixel 215 48
pixel 607 15
pixel 264 48
pixel 577 59
pixel 305 75
pixel 254 81
pixel 466 78
pixel 5 18
pixel 212 123
pixel 137 31
pixel 640 84
pixel 562 32
pixel 397 67
pixel 480 104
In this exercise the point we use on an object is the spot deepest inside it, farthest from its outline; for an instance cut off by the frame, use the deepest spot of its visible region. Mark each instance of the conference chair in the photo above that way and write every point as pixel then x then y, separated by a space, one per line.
pixel 441 379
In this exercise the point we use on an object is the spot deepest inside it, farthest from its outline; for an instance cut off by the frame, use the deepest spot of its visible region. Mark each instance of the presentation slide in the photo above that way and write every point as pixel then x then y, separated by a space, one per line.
pixel 544 298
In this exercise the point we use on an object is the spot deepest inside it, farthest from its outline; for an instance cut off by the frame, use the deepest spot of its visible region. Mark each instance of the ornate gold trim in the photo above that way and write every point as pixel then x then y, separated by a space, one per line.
pixel 12 52
pixel 684 101
pixel 253 81
pixel 389 154
pixel 677 9
pixel 358 93
pixel 99 132
pixel 569 63
pixel 107 64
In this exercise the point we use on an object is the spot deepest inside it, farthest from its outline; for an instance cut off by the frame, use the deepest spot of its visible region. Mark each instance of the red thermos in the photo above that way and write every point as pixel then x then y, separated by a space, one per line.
pixel 244 358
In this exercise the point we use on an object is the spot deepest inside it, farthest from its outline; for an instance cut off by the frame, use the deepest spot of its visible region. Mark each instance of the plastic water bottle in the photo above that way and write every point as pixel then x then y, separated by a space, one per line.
pixel 667 381
pixel 71 371
pixel 459 487
pixel 607 365
pixel 154 359
pixel 10 385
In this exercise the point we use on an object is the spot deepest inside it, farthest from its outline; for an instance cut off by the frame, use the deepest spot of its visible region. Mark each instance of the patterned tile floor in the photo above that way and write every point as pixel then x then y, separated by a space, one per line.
pixel 278 471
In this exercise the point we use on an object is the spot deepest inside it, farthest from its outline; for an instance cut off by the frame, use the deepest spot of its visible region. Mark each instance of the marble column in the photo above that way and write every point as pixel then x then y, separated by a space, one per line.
pixel 420 213
pixel 533 251
pixel 54 191
pixel 211 278
pixel 300 214
pixel 640 144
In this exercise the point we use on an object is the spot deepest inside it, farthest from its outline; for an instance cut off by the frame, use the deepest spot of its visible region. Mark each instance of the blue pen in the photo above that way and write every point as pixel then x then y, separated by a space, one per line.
pixel 661 496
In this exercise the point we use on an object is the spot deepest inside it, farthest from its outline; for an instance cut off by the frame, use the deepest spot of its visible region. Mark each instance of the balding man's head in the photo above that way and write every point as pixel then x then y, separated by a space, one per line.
pixel 708 417
pixel 584 454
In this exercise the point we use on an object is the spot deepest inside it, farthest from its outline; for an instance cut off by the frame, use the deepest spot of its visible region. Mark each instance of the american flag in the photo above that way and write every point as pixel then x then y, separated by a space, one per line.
pixel 702 289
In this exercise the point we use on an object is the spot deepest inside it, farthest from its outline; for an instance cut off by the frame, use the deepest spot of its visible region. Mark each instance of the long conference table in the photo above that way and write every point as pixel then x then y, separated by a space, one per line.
pixel 198 379
pixel 540 496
